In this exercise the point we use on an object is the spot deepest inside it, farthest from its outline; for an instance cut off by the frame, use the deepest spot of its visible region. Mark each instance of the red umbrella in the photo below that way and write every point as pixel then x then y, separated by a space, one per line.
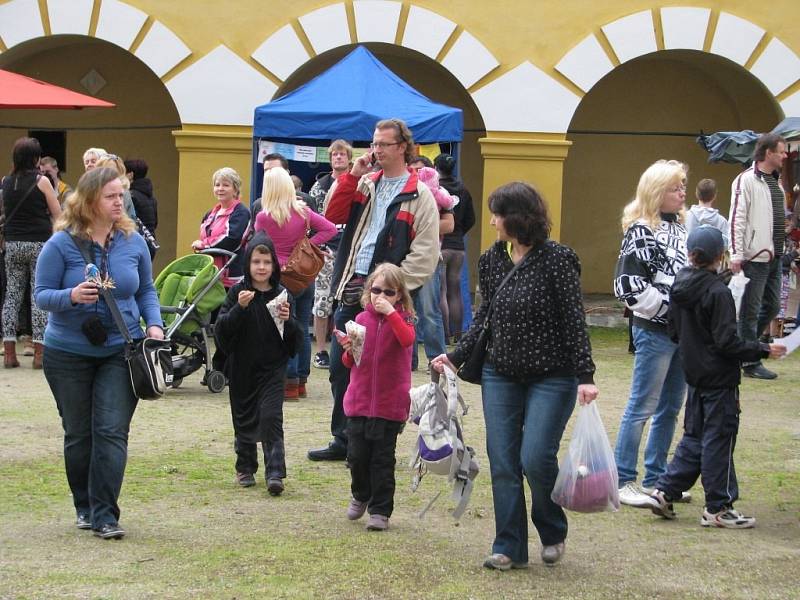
pixel 18 91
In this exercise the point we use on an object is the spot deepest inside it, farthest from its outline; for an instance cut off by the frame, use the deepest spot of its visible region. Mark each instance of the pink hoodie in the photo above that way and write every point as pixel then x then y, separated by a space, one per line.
pixel 379 386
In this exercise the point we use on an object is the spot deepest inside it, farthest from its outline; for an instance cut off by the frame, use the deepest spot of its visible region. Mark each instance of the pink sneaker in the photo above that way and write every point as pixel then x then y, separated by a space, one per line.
pixel 356 509
pixel 378 523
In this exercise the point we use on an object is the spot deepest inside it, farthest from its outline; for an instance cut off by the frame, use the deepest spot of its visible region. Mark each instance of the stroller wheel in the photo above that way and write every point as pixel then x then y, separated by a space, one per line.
pixel 176 382
pixel 215 380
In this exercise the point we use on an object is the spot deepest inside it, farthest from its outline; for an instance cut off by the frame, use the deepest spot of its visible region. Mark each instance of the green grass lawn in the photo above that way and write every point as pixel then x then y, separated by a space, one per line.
pixel 192 533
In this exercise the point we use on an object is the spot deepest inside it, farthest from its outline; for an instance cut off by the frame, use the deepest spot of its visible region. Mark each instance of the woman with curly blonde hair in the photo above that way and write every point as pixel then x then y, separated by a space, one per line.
pixel 653 251
pixel 84 350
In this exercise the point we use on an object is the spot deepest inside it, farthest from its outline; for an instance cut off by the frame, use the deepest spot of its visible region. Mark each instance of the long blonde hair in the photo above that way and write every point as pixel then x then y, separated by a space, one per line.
pixel 278 196
pixel 392 276
pixel 653 184
pixel 80 207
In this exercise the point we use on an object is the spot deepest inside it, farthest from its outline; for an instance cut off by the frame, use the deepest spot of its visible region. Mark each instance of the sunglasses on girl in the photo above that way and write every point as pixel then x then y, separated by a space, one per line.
pixel 389 293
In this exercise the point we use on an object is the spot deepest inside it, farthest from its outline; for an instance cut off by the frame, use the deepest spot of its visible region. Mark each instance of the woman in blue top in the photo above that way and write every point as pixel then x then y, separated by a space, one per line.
pixel 84 350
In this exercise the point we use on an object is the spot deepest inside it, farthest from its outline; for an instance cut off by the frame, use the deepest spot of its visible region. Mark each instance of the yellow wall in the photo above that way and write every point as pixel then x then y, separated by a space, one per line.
pixel 203 150
pixel 671 92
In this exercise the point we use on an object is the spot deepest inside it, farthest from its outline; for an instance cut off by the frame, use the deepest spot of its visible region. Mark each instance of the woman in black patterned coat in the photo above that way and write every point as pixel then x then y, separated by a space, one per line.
pixel 538 361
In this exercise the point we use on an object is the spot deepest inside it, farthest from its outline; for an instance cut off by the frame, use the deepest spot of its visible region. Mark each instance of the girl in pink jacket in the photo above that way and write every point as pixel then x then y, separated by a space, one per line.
pixel 377 400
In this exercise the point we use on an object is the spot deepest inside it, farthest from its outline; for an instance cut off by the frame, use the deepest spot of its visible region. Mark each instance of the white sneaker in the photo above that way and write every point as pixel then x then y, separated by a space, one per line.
pixel 632 495
pixel 660 505
pixel 685 498
pixel 727 518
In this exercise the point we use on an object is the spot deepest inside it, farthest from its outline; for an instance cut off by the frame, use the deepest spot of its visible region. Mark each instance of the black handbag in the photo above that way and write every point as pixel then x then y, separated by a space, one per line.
pixel 149 360
pixel 471 370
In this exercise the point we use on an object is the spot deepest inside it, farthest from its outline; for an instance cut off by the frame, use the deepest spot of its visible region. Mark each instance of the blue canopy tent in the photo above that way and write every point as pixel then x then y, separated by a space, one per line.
pixel 345 102
pixel 348 99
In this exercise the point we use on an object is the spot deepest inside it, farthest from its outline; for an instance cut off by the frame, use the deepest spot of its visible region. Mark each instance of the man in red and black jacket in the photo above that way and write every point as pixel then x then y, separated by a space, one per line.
pixel 390 216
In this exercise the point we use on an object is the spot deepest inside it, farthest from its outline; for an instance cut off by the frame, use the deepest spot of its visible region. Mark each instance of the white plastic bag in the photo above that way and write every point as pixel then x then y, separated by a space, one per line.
pixel 737 286
pixel 274 308
pixel 587 475
pixel 357 334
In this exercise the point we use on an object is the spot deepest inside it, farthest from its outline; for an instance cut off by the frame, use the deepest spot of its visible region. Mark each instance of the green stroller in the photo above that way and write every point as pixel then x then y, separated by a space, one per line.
pixel 189 291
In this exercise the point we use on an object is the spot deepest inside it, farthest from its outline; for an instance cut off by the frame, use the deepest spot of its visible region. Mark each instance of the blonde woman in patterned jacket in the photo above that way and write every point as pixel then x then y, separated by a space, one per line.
pixel 653 251
pixel 538 361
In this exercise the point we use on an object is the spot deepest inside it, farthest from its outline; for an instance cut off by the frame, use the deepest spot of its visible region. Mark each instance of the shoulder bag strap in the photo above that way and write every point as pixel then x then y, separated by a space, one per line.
pixel 502 283
pixel 19 204
pixel 107 295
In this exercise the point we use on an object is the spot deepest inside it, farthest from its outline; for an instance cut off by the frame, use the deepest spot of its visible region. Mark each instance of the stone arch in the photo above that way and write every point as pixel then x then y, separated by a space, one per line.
pixel 736 39
pixel 131 29
pixel 111 52
pixel 648 108
pixel 384 21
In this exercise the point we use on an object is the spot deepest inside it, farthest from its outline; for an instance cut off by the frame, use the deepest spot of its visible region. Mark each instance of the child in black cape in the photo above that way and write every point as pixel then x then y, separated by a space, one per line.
pixel 257 357
pixel 702 320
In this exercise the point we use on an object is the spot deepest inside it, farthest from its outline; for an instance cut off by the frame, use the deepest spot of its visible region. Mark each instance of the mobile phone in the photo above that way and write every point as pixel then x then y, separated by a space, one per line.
pixel 372 159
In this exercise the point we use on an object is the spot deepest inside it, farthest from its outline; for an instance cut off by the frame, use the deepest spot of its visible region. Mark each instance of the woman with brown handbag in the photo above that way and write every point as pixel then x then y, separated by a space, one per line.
pixel 286 220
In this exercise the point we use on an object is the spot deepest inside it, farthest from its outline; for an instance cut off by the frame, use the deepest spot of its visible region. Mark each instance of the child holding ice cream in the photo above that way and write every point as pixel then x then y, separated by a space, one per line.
pixel 377 400
pixel 256 329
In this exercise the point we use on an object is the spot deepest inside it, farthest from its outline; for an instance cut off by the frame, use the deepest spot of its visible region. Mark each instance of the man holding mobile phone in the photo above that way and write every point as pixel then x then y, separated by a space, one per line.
pixel 391 217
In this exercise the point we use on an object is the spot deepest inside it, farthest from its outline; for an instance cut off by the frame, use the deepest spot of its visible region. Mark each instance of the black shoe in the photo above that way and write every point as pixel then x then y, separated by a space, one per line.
pixel 110 531
pixel 275 486
pixel 758 371
pixel 245 479
pixel 333 451
pixel 83 522
pixel 322 360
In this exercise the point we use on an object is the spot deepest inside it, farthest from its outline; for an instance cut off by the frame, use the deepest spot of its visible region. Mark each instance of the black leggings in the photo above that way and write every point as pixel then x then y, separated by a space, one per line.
pixel 452 305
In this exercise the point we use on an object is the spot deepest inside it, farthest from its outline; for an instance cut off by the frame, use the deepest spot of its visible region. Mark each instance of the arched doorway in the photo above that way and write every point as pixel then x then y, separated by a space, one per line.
pixel 434 81
pixel 649 108
pixel 140 126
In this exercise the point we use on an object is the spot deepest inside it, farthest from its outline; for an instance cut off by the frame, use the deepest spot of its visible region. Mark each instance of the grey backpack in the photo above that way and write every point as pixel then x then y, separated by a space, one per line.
pixel 439 447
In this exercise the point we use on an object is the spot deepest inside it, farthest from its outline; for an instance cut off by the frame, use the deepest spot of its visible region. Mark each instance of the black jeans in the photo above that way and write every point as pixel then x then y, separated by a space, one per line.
pixel 339 375
pixel 371 446
pixel 270 432
pixel 711 424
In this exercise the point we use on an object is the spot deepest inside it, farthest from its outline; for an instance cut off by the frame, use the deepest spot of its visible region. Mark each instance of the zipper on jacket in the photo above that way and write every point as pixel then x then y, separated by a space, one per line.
pixel 375 356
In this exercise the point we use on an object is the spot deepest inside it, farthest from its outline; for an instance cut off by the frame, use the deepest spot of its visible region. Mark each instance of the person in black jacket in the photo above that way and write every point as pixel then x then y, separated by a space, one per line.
pixel 144 202
pixel 538 361
pixel 453 246
pixel 257 356
pixel 702 320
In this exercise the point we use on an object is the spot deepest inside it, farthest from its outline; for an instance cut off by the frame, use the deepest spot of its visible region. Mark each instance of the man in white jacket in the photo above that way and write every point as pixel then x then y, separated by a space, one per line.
pixel 757 239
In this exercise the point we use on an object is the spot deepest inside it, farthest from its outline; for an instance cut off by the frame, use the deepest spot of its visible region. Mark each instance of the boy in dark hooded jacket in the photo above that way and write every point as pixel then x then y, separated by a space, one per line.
pixel 257 357
pixel 702 320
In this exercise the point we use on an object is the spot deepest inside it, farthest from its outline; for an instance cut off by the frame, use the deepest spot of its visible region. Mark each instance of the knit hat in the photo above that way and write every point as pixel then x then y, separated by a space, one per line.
pixel 706 241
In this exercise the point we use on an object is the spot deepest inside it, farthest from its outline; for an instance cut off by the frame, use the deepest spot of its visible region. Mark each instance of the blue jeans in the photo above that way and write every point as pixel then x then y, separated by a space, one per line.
pixel 762 298
pixel 299 365
pixel 430 326
pixel 658 388
pixel 524 425
pixel 96 403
